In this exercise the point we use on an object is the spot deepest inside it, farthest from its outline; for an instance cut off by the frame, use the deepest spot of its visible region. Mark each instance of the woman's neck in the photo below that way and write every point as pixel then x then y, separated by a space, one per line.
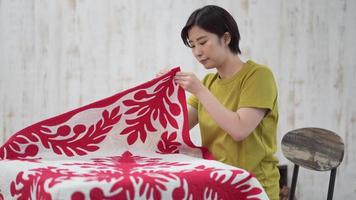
pixel 231 66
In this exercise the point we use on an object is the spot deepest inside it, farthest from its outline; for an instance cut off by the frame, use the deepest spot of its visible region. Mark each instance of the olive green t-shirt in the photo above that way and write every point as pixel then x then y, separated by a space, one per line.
pixel 253 86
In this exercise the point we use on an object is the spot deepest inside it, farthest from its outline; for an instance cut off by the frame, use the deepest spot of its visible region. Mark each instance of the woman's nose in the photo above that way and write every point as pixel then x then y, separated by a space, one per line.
pixel 197 52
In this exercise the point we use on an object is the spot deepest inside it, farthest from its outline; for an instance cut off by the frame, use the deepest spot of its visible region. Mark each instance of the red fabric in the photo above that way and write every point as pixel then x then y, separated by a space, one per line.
pixel 132 145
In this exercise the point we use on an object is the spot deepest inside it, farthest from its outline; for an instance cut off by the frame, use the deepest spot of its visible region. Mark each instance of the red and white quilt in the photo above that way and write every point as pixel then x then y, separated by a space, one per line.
pixel 133 145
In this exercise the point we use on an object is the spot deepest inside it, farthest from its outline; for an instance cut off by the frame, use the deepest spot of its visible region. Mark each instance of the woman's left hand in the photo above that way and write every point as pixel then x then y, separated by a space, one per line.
pixel 188 81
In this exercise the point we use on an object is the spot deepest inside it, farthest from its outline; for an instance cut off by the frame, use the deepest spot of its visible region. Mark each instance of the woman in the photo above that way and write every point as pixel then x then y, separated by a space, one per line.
pixel 236 108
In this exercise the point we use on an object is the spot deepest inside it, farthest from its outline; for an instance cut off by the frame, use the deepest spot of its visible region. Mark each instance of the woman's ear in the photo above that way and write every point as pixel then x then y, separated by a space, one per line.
pixel 227 38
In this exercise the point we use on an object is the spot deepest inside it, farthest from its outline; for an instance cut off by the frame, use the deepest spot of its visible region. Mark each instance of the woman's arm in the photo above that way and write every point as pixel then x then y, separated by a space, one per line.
pixel 238 124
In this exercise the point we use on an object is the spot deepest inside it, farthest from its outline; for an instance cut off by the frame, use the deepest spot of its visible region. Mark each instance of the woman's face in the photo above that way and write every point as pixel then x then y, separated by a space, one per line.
pixel 207 48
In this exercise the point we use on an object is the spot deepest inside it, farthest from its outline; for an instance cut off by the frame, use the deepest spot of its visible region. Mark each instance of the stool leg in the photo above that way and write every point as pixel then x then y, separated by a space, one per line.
pixel 294 182
pixel 331 184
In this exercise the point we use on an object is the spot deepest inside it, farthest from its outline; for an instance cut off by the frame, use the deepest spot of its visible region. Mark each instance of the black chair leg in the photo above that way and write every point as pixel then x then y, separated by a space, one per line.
pixel 331 184
pixel 294 182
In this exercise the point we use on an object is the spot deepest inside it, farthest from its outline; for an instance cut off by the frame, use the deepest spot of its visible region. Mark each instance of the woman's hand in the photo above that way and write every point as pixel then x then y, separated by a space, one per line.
pixel 188 81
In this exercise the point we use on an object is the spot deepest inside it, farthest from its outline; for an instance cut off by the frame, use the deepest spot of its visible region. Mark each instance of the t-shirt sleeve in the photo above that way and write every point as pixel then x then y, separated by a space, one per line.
pixel 193 101
pixel 259 90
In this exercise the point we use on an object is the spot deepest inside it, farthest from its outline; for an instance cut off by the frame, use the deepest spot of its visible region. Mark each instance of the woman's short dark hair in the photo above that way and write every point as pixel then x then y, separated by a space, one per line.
pixel 216 20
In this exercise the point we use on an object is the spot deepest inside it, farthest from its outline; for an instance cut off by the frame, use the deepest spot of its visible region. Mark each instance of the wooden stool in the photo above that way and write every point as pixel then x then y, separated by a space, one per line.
pixel 316 149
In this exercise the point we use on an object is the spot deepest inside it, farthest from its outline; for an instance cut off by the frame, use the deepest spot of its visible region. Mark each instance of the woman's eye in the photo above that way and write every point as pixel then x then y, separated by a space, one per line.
pixel 202 43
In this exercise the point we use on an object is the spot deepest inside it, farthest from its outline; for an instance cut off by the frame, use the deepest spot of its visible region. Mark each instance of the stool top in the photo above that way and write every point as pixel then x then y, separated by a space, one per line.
pixel 313 148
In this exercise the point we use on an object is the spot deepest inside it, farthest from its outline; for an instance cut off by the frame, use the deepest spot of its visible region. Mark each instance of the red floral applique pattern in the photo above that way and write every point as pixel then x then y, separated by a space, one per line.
pixel 146 106
pixel 77 140
pixel 168 143
pixel 132 177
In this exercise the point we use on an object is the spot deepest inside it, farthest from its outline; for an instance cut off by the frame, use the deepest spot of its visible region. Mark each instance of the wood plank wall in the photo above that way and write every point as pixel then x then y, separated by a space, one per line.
pixel 58 55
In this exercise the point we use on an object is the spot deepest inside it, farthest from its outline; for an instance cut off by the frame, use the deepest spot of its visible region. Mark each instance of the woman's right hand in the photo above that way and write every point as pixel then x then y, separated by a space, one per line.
pixel 162 72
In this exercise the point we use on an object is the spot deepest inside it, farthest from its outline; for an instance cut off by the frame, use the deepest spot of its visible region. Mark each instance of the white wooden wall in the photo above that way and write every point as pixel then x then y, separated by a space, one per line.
pixel 58 55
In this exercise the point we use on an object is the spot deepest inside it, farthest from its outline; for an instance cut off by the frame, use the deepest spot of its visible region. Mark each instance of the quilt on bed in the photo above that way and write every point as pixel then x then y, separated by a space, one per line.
pixel 133 145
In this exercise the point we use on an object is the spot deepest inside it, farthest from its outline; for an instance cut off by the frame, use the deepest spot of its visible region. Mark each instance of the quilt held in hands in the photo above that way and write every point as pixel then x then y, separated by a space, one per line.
pixel 133 145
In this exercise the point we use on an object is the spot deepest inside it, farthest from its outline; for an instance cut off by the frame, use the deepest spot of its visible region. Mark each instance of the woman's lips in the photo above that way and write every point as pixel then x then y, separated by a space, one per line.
pixel 203 61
